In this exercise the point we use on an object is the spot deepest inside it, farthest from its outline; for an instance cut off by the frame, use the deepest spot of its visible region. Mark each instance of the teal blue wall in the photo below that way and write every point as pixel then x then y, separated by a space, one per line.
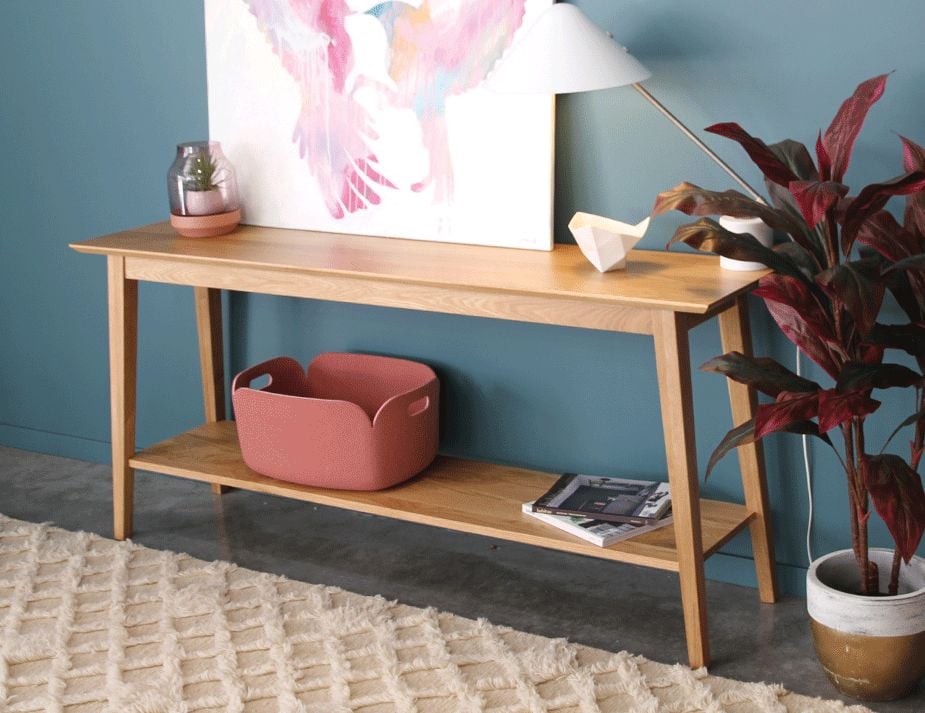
pixel 94 95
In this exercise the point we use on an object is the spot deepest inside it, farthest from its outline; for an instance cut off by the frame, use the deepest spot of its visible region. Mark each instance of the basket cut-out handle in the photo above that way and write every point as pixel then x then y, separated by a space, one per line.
pixel 418 407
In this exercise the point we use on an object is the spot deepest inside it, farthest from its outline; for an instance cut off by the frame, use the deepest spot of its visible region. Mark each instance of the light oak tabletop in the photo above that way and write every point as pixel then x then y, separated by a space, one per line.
pixel 653 279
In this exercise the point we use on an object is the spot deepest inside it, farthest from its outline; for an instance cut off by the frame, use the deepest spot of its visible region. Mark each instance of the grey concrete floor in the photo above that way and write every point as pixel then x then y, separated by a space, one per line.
pixel 588 601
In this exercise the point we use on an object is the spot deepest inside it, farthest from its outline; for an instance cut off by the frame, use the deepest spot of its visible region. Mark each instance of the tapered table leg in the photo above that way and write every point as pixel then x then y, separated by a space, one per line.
pixel 672 358
pixel 123 359
pixel 736 336
pixel 211 357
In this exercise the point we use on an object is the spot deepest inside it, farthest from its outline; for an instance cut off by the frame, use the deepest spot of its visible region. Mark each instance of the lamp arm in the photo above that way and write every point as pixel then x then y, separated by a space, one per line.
pixel 702 146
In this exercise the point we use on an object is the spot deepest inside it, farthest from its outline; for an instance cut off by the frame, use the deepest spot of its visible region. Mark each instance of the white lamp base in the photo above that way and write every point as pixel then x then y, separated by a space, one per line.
pixel 754 226
pixel 605 242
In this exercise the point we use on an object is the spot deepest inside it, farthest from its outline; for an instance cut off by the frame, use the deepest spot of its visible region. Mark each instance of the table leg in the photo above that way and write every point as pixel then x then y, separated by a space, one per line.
pixel 672 359
pixel 211 357
pixel 123 359
pixel 736 336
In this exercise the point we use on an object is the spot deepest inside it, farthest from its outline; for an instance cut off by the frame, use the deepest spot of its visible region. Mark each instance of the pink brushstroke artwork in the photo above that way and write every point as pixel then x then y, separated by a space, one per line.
pixel 435 51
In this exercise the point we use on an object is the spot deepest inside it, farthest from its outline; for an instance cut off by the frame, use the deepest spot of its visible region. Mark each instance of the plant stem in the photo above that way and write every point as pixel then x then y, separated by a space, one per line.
pixel 918 440
pixel 850 474
pixel 894 573
pixel 868 567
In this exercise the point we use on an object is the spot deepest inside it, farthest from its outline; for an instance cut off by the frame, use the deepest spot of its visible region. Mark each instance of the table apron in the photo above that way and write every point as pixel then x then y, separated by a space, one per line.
pixel 560 311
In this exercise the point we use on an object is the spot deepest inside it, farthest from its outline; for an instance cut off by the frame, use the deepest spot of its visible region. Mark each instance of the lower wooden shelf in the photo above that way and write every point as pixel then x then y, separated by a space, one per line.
pixel 468 496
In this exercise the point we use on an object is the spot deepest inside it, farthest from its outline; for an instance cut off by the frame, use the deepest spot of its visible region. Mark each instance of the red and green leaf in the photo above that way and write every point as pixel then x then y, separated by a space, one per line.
pixel 837 407
pixel 758 151
pixel 872 199
pixel 709 236
pixel 788 409
pixel 816 198
pixel 839 138
pixel 914 160
pixel 856 288
pixel 825 162
pixel 745 434
pixel 694 200
pixel 915 262
pixel 761 373
pixel 797 158
pixel 800 256
pixel 884 234
pixel 898 496
pixel 803 320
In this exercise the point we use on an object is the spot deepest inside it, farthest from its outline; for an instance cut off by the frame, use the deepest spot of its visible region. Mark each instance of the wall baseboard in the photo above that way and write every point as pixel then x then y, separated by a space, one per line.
pixel 735 569
pixel 58 444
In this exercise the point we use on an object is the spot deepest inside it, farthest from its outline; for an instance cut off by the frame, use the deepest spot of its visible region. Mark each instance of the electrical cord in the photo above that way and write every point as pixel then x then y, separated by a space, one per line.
pixel 809 477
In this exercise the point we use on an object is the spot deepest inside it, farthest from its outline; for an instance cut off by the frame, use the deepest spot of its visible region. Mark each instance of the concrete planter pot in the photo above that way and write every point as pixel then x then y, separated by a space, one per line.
pixel 872 648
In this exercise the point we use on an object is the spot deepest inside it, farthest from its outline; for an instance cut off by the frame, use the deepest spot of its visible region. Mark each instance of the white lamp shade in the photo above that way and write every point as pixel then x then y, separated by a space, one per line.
pixel 564 52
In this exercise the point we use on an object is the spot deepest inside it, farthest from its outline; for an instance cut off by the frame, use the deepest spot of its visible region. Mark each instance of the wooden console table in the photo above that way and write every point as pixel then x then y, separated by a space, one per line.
pixel 660 294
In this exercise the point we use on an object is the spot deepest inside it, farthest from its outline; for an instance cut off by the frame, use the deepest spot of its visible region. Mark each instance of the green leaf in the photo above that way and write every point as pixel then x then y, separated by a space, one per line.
pixel 761 373
pixel 864 377
pixel 745 434
pixel 916 262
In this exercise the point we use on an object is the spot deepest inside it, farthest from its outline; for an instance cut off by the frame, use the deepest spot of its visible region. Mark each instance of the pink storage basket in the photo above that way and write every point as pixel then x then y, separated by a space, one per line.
pixel 353 422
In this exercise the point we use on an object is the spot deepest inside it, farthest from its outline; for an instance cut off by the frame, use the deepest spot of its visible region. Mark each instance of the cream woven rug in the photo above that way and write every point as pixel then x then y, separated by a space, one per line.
pixel 88 624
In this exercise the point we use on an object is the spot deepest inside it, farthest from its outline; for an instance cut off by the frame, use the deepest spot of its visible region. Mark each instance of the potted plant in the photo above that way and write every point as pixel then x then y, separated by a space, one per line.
pixel 202 190
pixel 827 292
pixel 201 185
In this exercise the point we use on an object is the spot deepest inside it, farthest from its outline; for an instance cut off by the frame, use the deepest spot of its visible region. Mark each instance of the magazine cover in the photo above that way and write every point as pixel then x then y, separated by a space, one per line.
pixel 638 502
pixel 597 532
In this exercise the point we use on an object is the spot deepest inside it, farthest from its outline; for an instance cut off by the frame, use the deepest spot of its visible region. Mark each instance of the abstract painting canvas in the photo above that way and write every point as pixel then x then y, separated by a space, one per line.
pixel 370 118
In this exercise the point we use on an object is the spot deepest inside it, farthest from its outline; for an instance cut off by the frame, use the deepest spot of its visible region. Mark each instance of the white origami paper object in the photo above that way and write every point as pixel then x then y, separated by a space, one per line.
pixel 606 242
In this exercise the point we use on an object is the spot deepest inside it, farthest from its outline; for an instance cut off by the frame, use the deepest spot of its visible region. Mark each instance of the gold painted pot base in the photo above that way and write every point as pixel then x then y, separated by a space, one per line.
pixel 870 668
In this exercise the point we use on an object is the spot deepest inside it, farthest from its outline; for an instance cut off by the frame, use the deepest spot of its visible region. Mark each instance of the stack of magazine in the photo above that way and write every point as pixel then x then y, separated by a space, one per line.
pixel 603 510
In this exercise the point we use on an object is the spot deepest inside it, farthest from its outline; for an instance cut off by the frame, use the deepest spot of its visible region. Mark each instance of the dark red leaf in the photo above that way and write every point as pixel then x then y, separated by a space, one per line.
pixel 761 373
pixel 771 166
pixel 897 493
pixel 839 138
pixel 914 160
pixel 910 338
pixel 856 288
pixel 872 198
pixel 788 409
pixel 882 233
pixel 807 238
pixel 745 433
pixel 816 198
pixel 836 407
pixel 822 156
pixel 864 377
pixel 802 319
pixel 871 353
